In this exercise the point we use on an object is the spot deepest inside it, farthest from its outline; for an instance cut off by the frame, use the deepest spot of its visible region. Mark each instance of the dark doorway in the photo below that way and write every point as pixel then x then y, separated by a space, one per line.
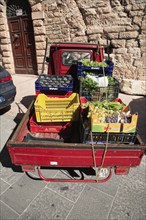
pixel 22 36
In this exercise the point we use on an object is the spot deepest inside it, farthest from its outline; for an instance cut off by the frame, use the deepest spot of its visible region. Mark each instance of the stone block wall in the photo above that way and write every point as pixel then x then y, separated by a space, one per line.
pixel 6 57
pixel 121 22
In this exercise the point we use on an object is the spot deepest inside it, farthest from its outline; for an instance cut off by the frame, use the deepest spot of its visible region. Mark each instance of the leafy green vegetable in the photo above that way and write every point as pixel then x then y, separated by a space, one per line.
pixel 108 105
pixel 88 85
pixel 111 81
pixel 91 63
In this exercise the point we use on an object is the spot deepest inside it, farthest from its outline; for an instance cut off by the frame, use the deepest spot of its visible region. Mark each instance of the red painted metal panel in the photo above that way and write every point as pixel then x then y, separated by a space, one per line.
pixel 73 157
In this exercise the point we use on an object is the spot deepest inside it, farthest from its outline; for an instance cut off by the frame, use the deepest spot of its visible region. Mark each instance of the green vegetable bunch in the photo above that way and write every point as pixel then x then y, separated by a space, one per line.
pixel 91 63
pixel 111 81
pixel 88 85
pixel 114 106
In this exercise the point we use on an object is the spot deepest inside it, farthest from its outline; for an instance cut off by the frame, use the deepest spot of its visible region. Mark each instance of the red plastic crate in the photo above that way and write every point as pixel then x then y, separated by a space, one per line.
pixel 50 127
pixel 58 94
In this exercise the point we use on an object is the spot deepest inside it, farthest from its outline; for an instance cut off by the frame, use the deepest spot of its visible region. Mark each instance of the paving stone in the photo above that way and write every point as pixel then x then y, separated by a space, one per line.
pixel 139 216
pixel 9 176
pixel 110 187
pixel 20 194
pixel 47 205
pixel 7 213
pixel 120 212
pixel 69 190
pixel 130 198
pixel 3 186
pixel 92 205
pixel 6 122
pixel 138 173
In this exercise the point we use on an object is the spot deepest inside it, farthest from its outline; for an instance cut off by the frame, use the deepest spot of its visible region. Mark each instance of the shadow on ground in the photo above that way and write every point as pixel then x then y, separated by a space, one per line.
pixel 27 100
pixel 139 106
pixel 4 156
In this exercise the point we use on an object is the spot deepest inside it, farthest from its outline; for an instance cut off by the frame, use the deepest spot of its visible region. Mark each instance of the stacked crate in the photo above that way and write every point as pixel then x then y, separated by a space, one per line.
pixel 54 109
pixel 102 93
pixel 54 84
pixel 56 105
pixel 95 131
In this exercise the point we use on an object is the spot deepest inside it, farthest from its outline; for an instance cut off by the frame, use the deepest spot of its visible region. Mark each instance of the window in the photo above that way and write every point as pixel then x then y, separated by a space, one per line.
pixel 70 57
pixel 17 8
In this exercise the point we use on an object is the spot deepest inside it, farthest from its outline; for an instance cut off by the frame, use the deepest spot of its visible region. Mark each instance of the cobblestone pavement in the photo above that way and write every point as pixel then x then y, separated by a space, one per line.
pixel 25 197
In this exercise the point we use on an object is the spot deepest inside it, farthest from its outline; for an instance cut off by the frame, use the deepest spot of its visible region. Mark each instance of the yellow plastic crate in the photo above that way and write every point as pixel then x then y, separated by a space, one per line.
pixel 50 109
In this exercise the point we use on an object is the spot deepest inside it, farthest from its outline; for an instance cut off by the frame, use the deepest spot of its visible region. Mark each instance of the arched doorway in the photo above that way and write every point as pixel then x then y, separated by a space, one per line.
pixel 22 36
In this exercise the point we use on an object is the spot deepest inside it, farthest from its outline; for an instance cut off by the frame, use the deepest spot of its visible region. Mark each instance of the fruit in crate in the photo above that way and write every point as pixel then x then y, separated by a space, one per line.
pixel 108 112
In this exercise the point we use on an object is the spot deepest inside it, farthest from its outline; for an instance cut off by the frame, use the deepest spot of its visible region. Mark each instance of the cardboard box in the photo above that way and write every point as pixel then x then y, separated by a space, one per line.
pixel 131 127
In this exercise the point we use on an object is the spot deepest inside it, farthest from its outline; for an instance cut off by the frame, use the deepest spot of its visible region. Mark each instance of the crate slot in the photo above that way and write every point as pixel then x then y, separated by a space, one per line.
pixel 99 137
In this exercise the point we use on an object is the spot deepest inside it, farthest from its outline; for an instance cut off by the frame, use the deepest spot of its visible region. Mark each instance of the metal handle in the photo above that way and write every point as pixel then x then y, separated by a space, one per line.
pixel 72 180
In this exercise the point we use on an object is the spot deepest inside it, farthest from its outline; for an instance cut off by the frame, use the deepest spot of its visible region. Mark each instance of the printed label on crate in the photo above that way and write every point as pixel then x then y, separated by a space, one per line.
pixel 53 88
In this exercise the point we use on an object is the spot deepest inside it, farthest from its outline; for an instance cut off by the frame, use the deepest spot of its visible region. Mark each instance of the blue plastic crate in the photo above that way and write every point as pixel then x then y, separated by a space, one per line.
pixel 54 82
pixel 97 70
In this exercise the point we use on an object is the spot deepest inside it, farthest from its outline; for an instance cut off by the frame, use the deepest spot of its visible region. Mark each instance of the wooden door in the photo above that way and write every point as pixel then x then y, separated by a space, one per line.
pixel 23 46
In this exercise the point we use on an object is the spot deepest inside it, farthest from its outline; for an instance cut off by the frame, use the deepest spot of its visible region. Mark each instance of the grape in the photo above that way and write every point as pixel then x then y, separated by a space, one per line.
pixel 111 119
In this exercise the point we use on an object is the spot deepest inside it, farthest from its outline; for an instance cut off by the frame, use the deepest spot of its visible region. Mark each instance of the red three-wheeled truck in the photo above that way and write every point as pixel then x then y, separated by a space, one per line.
pixel 57 131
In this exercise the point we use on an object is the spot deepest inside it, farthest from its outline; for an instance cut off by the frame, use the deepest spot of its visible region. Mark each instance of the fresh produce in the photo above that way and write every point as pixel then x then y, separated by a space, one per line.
pixel 91 63
pixel 108 112
pixel 111 81
pixel 90 86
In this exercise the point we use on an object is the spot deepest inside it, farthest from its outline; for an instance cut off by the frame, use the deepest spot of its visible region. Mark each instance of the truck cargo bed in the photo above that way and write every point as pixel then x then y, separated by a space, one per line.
pixel 38 149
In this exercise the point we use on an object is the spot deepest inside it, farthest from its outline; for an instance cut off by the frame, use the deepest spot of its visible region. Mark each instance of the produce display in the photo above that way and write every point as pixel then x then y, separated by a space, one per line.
pixel 108 112
pixel 90 86
pixel 91 63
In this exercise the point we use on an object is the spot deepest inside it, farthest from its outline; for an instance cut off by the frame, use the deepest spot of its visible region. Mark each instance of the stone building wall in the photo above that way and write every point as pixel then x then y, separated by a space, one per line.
pixel 122 22
pixel 0 58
